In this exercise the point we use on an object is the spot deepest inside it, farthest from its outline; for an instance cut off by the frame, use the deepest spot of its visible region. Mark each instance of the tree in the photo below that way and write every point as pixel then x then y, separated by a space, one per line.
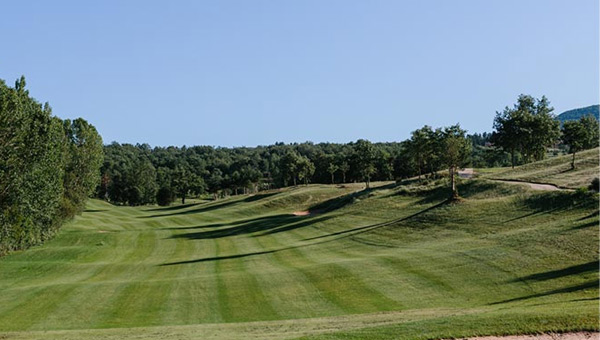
pixel 289 166
pixel 419 148
pixel 331 169
pixel 164 196
pixel 580 135
pixel 306 169
pixel 365 153
pixel 344 168
pixel 456 152
pixel 185 182
pixel 82 164
pixel 529 127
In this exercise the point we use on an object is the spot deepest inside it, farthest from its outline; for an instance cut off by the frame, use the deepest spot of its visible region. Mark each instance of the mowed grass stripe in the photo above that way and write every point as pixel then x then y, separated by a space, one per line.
pixel 240 296
pixel 335 283
pixel 288 289
pixel 191 293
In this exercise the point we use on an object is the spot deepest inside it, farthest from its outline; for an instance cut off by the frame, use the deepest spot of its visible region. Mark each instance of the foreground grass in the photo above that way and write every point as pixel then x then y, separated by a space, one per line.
pixel 556 170
pixel 391 262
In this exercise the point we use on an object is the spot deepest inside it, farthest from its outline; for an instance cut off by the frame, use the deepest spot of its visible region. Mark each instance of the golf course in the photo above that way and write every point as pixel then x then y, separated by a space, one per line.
pixel 396 261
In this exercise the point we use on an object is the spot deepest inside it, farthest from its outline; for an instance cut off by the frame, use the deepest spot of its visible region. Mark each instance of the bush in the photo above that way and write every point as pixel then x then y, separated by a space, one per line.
pixel 594 185
pixel 165 196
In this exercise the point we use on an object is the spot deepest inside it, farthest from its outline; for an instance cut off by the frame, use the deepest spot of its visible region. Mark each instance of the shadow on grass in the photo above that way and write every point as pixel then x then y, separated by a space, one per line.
pixel 94 210
pixel 569 289
pixel 267 225
pixel 344 200
pixel 215 205
pixel 345 234
pixel 360 230
pixel 554 274
pixel 586 225
pixel 175 207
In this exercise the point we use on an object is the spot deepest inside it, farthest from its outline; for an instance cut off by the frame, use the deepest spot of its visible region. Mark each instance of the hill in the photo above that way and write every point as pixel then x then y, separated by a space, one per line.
pixel 556 170
pixel 395 261
pixel 575 114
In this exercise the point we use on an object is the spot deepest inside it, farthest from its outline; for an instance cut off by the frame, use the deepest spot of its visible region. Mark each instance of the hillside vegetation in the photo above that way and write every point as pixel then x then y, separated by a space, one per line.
pixel 392 261
pixel 556 170
pixel 575 114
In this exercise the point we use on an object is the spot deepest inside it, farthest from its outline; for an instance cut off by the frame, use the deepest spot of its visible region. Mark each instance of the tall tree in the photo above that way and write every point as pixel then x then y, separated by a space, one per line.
pixel 306 169
pixel 529 127
pixel 365 153
pixel 331 169
pixel 580 135
pixel 344 168
pixel 289 166
pixel 456 152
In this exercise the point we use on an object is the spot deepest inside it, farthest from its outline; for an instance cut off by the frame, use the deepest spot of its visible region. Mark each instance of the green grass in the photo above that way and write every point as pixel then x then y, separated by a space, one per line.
pixel 390 262
pixel 556 170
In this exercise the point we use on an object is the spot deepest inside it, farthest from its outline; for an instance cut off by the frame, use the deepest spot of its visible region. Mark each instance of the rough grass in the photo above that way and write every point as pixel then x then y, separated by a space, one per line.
pixel 556 170
pixel 391 262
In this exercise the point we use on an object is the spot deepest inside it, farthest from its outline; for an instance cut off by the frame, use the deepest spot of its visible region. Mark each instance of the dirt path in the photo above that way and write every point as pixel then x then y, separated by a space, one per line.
pixel 535 186
pixel 551 336
pixel 469 173
pixel 466 173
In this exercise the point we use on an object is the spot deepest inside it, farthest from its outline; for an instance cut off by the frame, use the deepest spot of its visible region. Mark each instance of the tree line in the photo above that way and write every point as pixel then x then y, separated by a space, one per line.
pixel 48 168
pixel 138 174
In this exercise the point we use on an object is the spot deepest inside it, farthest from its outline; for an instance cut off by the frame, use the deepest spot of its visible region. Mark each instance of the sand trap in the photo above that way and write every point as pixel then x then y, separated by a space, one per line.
pixel 550 336
pixel 466 173
pixel 301 213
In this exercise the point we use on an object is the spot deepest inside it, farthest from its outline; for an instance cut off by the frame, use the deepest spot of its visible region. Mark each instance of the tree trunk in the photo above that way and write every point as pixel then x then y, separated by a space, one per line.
pixel 306 181
pixel 573 162
pixel 367 182
pixel 183 199
pixel 295 181
pixel 512 158
pixel 453 182
pixel 332 178
pixel 344 177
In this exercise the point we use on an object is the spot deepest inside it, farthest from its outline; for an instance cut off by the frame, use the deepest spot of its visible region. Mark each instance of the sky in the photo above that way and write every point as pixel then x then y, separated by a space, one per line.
pixel 255 72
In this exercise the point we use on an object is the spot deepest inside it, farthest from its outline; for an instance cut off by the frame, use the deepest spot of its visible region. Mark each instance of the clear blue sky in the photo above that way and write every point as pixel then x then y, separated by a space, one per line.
pixel 232 73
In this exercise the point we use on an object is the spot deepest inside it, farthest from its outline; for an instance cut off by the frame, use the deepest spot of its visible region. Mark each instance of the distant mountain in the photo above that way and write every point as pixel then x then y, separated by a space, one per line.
pixel 575 114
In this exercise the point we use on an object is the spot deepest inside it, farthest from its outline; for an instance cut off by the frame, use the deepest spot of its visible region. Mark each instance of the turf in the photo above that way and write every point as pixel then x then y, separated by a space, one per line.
pixel 390 262
pixel 555 170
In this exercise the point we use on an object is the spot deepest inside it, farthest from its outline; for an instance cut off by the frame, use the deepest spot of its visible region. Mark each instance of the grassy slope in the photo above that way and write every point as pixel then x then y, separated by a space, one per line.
pixel 391 262
pixel 555 170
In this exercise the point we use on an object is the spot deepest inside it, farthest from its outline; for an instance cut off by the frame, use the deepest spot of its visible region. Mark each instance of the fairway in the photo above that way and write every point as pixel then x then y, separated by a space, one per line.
pixel 392 261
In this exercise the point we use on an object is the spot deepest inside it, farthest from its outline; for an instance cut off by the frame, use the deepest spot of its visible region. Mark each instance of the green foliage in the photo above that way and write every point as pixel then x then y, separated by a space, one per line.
pixel 165 196
pixel 580 135
pixel 48 168
pixel 365 159
pixel 528 128
pixel 576 114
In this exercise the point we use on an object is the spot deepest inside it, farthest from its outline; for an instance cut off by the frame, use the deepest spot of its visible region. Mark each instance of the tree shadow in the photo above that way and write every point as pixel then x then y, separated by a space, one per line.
pixel 175 207
pixel 215 205
pixel 360 230
pixel 344 200
pixel 586 225
pixel 594 214
pixel 569 289
pixel 266 225
pixel 345 234
pixel 94 210
pixel 554 274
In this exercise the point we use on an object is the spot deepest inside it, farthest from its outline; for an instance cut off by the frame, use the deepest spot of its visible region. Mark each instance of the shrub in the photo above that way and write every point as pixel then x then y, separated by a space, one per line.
pixel 165 196
pixel 594 185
